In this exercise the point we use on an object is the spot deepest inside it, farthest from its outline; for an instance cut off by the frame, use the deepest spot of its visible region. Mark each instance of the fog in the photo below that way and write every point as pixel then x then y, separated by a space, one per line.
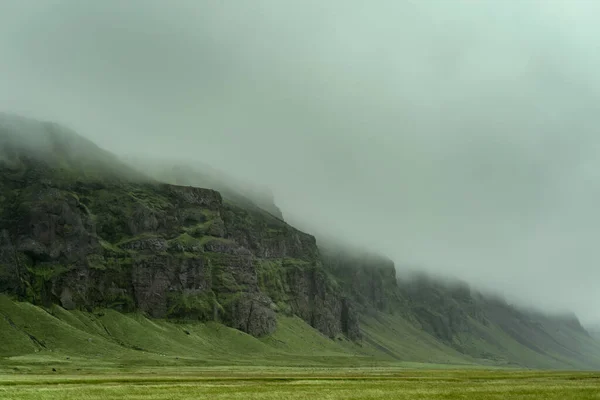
pixel 460 137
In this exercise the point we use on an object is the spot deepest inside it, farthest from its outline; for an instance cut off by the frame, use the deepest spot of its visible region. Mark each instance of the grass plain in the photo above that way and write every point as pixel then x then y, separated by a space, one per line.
pixel 304 383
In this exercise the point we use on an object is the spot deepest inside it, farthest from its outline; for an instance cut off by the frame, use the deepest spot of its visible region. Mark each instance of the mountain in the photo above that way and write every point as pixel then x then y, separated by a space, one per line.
pixel 483 328
pixel 83 230
pixel 96 256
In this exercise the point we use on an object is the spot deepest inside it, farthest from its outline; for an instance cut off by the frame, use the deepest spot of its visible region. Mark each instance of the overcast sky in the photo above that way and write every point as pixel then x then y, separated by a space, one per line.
pixel 459 136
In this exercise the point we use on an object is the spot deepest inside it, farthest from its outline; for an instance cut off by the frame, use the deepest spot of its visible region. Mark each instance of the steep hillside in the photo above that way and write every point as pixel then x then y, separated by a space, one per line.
pixel 38 339
pixel 99 260
pixel 483 328
pixel 80 229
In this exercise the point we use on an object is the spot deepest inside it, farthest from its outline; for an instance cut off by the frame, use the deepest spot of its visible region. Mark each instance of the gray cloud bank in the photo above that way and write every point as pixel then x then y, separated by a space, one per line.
pixel 460 136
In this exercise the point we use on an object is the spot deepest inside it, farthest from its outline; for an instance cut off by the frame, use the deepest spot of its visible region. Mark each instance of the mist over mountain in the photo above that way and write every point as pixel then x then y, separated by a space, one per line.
pixel 83 234
pixel 456 136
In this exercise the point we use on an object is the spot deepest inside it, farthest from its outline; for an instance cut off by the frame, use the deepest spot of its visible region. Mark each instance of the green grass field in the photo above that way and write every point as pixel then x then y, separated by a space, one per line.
pixel 58 354
pixel 304 383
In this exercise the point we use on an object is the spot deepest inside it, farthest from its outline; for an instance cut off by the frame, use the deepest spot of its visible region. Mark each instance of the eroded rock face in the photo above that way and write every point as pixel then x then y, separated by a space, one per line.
pixel 81 229
pixel 149 244
pixel 188 195
pixel 275 239
pixel 350 324
pixel 253 313
pixel 169 251
pixel 370 279
pixel 156 276
pixel 314 301
pixel 54 225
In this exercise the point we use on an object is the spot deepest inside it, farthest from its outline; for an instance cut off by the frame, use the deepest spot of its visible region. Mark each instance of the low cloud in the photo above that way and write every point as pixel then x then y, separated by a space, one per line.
pixel 460 137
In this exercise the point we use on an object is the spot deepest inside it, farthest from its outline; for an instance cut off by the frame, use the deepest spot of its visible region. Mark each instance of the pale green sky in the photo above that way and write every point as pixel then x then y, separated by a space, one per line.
pixel 461 136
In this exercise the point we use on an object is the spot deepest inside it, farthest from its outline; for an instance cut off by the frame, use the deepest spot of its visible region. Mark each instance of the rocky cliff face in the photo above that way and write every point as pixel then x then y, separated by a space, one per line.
pixel 479 326
pixel 83 236
pixel 442 310
pixel 368 278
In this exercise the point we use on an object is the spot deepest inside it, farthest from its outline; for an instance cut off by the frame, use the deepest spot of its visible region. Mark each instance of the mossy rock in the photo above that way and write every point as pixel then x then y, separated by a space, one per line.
pixel 185 243
pixel 202 306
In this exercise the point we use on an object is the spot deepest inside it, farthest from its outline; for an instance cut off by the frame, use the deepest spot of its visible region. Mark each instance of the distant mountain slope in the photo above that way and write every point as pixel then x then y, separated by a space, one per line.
pixel 482 328
pixel 594 331
pixel 52 151
pixel 98 248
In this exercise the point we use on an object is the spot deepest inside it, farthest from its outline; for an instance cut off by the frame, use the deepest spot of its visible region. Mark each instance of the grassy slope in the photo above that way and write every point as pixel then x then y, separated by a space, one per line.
pixel 562 349
pixel 32 338
pixel 400 340
pixel 36 337
pixel 540 342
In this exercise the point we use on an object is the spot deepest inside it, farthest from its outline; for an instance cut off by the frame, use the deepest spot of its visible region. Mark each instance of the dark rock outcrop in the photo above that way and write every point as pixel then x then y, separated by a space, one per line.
pixel 370 280
pixel 83 236
pixel 252 313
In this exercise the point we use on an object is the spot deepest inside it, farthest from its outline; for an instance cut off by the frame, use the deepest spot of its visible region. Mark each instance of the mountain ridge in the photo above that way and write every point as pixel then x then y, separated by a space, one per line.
pixel 82 230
